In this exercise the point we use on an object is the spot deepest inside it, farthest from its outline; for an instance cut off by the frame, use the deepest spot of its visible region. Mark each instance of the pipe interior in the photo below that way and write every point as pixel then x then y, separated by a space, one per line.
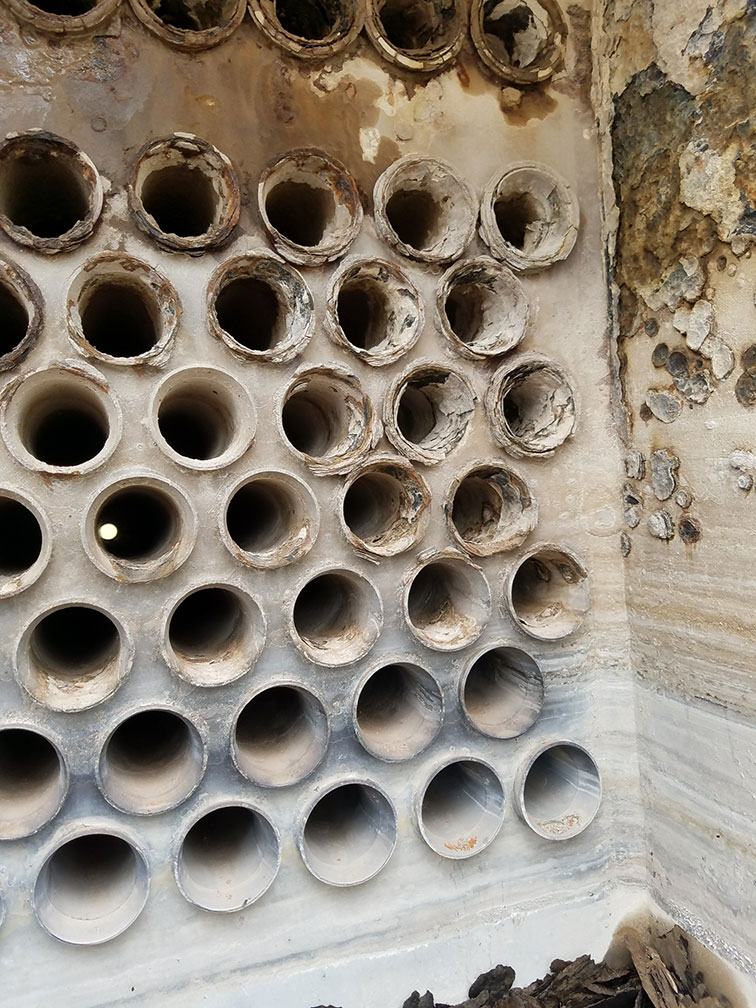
pixel 44 192
pixel 503 692
pixel 208 625
pixel 14 320
pixel 462 808
pixel 20 538
pixel 562 787
pixel 250 311
pixel 74 641
pixel 313 22
pixel 138 525
pixel 197 422
pixel 281 736
pixel 32 781
pixel 182 200
pixel 416 24
pixel 120 319
pixel 399 711
pixel 302 212
pixel 64 427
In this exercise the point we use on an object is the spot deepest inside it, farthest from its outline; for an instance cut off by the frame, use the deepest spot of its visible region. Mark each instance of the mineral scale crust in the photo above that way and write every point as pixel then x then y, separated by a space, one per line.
pixel 317 671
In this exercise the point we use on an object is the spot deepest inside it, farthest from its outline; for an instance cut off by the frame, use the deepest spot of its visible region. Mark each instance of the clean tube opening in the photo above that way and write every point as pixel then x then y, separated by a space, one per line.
pixel 461 809
pixel 447 604
pixel 337 617
pixel 398 711
pixel 502 692
pixel 560 791
pixel 33 782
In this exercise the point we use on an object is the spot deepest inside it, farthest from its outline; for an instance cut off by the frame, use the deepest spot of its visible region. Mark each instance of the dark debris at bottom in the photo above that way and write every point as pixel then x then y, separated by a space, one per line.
pixel 656 976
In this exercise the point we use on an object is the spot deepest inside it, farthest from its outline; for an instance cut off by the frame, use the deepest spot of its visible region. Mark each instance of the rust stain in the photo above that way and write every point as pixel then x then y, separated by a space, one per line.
pixel 464 844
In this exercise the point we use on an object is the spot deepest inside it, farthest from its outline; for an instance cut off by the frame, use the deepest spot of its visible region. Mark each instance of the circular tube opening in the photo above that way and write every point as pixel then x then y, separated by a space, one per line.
pixel 309 31
pixel 91 889
pixel 73 657
pixel 548 594
pixel 398 711
pixel 422 35
pixel 20 315
pixel 60 420
pixel 328 420
pixel 532 406
pixel 188 25
pixel 349 834
pixel 202 418
pixel 25 543
pixel 33 782
pixel 427 412
pixel 271 520
pixel 337 617
pixel 528 217
pixel 461 809
pixel 424 209
pixel 481 308
pixel 491 511
pixel 374 310
pixel 185 194
pixel 261 308
pixel 447 603
pixel 281 736
pixel 121 310
pixel 559 791
pixel 215 635
pixel 140 529
pixel 310 207
pixel 385 507
pixel 228 859
pixel 152 762
pixel 64 17
pixel 522 41
pixel 502 692
pixel 50 192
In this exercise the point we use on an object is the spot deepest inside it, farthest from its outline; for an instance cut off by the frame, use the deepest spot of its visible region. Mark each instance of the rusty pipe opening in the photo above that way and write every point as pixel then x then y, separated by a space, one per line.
pixel 492 510
pixel 398 711
pixel 151 762
pixel 428 411
pixel 385 507
pixel 33 782
pixel 558 792
pixel 91 888
pixel 281 736
pixel 228 859
pixel 461 809
pixel 532 406
pixel 548 593
pixel 120 319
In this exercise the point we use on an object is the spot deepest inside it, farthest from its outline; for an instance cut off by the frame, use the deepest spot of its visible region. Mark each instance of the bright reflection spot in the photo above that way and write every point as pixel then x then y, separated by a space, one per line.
pixel 107 532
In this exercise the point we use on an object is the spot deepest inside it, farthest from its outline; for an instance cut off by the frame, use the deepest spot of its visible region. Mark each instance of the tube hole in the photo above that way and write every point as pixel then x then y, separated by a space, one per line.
pixel 561 792
pixel 281 736
pixel 187 16
pixel 385 508
pixel 531 405
pixel 119 320
pixel 310 205
pixel 462 809
pixel 482 308
pixel 502 692
pixel 273 520
pixel 14 320
pixel 204 418
pixel 228 859
pixel 528 217
pixel 428 412
pixel 20 538
pixel 72 658
pixel 75 641
pixel 548 593
pixel 215 635
pixel 349 835
pixel 152 762
pixel 375 311
pixel 424 209
pixel 43 192
pixel 185 193
pixel 66 8
pixel 138 525
pixel 33 782
pixel 492 511
pixel 399 711
pixel 337 617
pixel 420 35
pixel 91 889
pixel 448 603
pixel 312 22
pixel 328 419
pixel 520 40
